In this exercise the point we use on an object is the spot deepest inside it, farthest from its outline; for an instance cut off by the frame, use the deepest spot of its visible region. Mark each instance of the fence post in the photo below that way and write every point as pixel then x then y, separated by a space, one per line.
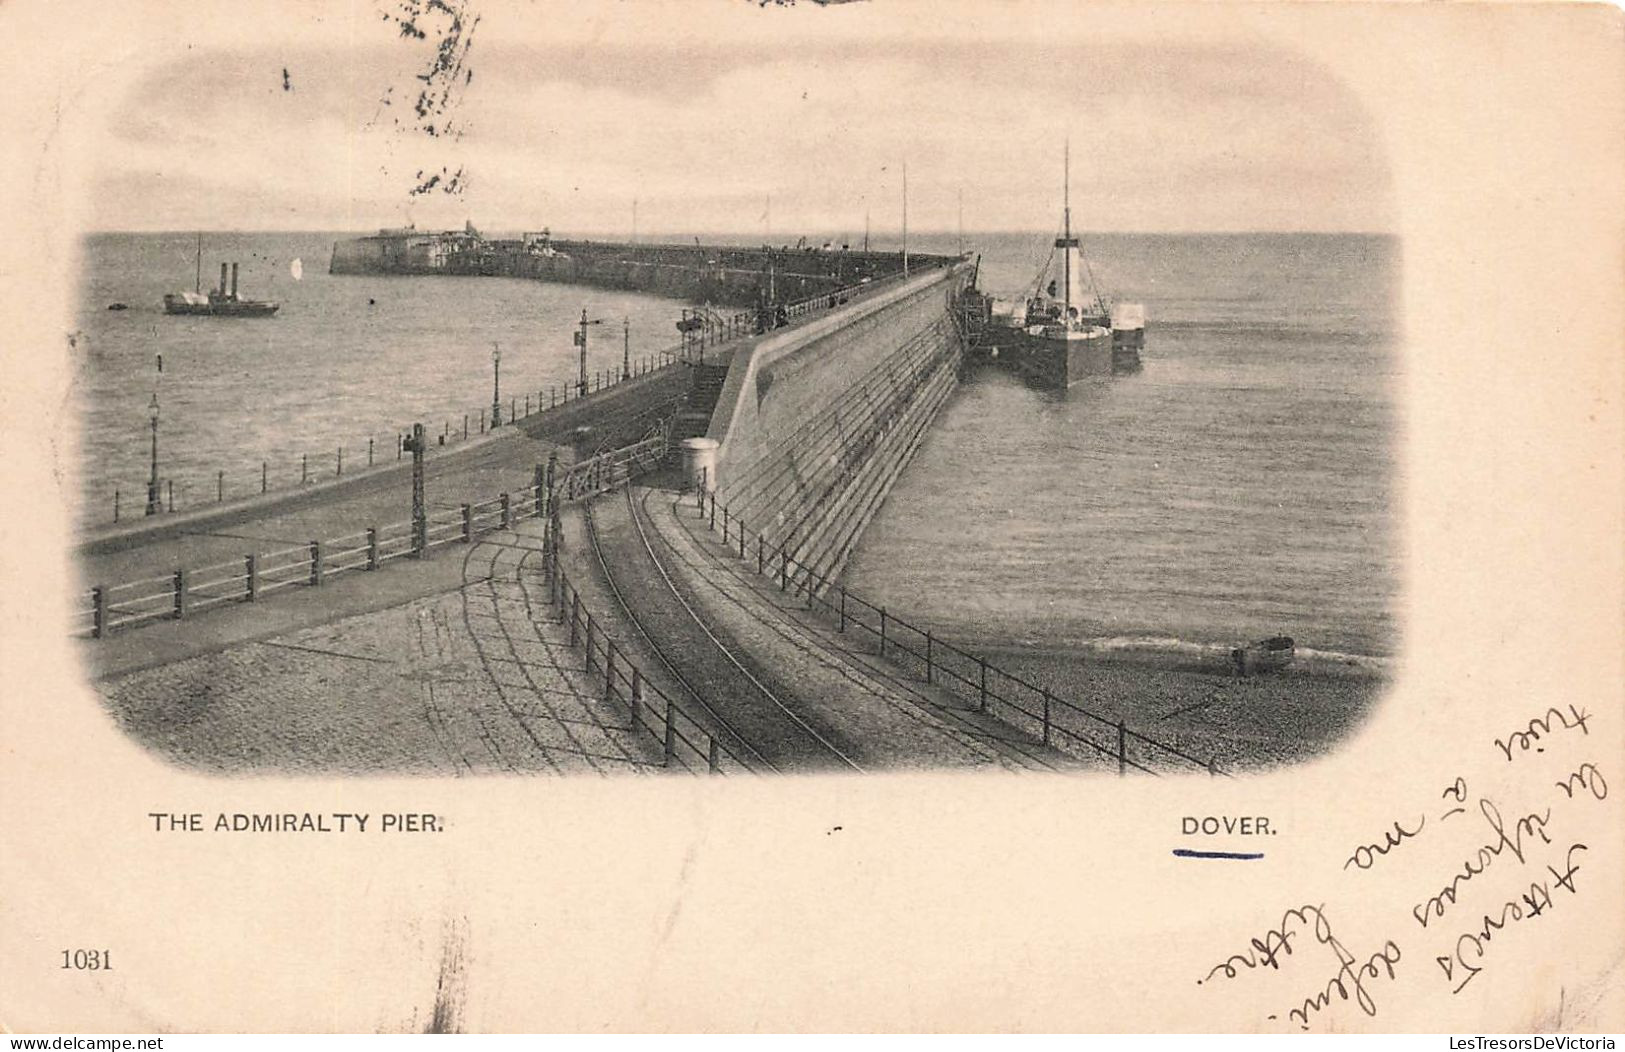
pixel 369 451
pixel 465 425
pixel 251 567
pixel 552 395
pixel 372 547
pixel 982 665
pixel 468 523
pixel 98 612
pixel 1046 717
pixel 115 504
pixel 761 548
pixel 304 468
pixel 575 616
pixel 882 631
pixel 316 569
pixel 1122 749
pixel 713 523
pixel 340 469
pixel 784 569
pixel 843 608
pixel 507 512
pixel 741 540
pixel 527 405
pixel 724 524
pixel 265 470
pixel 671 731
pixel 589 640
pixel 928 670
pixel 482 421
pixel 219 487
pixel 182 600
pixel 713 758
pixel 637 694
pixel 171 494
pixel 609 669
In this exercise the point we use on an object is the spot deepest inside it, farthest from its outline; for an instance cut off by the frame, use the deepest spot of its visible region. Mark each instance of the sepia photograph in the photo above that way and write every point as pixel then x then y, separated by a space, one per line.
pixel 602 424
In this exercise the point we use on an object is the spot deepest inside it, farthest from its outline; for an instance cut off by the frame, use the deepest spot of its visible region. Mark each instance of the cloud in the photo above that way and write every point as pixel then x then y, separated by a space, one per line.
pixel 1164 136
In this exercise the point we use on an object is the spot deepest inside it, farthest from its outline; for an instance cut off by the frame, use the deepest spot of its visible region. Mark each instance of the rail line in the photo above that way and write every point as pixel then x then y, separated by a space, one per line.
pixel 1015 751
pixel 637 512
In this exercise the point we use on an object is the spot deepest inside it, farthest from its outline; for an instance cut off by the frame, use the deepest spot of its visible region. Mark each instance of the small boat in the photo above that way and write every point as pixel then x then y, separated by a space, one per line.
pixel 222 302
pixel 1266 655
pixel 118 306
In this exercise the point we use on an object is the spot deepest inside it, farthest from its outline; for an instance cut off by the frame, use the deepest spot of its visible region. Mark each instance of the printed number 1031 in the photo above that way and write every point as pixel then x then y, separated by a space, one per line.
pixel 87 960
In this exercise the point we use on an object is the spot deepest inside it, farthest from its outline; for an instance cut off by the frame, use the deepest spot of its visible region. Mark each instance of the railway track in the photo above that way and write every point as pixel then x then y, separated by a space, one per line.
pixel 702 662
pixel 996 740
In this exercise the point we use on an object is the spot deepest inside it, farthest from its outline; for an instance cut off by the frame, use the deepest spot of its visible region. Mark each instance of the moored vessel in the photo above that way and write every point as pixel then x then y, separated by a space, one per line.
pixel 1063 331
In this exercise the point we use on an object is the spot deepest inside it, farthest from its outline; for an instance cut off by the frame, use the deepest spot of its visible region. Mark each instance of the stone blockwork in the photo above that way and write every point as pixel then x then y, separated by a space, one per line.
pixel 815 424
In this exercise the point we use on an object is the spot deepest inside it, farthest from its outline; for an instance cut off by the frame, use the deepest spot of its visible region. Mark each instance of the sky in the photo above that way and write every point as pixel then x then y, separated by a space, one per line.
pixel 727 117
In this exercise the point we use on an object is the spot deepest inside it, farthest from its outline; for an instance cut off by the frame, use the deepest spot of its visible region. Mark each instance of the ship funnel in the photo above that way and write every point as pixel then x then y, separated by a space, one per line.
pixel 222 279
pixel 234 281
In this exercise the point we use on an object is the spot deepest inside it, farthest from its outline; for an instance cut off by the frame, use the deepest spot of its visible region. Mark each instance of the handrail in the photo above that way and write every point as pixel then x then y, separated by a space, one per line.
pixel 1044 710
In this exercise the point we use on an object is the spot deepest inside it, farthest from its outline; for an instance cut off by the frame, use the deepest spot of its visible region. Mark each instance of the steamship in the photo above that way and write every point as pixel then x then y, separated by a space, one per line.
pixel 1064 332
pixel 222 302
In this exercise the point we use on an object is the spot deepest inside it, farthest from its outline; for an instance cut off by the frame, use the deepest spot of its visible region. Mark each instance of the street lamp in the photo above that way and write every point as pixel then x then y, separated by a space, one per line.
pixel 154 506
pixel 496 384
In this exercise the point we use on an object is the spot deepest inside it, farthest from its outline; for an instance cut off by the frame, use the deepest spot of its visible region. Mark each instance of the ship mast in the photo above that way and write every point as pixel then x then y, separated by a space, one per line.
pixel 1066 252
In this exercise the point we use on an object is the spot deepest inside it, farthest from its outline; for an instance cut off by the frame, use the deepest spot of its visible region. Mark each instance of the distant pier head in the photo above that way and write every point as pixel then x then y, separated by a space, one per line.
pixel 732 275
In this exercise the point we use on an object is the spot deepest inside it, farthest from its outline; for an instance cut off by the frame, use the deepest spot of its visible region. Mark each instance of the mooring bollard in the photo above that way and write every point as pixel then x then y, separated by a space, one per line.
pixel 182 599
pixel 316 567
pixel 251 571
pixel 372 547
pixel 98 612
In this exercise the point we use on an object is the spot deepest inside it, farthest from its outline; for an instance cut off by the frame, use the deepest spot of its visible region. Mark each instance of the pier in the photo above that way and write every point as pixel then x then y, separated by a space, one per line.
pixel 645 578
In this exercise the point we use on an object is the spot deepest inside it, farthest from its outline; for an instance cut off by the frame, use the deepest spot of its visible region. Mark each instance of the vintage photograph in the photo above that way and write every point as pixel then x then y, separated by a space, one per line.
pixel 816 405
pixel 712 516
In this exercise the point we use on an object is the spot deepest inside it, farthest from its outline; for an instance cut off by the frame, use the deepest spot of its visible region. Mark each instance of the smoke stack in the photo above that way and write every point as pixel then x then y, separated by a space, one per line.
pixel 222 279
pixel 234 281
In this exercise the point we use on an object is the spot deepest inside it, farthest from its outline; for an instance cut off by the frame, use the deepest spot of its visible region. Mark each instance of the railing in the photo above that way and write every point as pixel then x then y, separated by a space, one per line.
pixel 188 591
pixel 684 741
pixel 712 329
pixel 1055 721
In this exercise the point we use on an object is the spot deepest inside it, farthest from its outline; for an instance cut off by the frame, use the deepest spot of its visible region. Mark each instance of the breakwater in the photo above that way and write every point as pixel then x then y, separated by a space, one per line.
pixel 814 425
pixel 724 275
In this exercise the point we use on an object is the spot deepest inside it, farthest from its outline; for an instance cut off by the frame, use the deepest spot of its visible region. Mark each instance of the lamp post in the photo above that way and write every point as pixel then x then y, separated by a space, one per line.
pixel 626 348
pixel 154 505
pixel 496 384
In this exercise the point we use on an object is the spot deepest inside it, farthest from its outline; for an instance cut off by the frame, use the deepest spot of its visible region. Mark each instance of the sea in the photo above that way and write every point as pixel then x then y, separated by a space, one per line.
pixel 1240 485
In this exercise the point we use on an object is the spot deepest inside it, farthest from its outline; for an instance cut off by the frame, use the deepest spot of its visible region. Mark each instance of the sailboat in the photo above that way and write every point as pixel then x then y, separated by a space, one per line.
pixel 1062 332
pixel 222 302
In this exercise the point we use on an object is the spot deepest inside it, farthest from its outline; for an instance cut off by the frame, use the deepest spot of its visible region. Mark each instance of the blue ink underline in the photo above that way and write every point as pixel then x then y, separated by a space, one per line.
pixel 1185 852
